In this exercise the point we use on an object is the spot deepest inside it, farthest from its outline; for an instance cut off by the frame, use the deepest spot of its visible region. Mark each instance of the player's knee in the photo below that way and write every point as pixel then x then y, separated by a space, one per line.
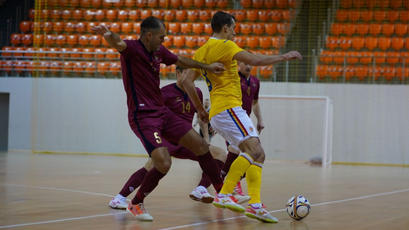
pixel 163 166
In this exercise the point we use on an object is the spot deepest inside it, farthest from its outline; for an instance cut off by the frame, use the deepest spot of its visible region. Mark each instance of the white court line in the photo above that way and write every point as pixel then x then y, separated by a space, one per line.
pixel 180 226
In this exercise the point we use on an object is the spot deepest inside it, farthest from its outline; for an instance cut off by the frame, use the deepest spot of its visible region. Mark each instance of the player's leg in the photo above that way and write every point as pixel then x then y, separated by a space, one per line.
pixel 119 201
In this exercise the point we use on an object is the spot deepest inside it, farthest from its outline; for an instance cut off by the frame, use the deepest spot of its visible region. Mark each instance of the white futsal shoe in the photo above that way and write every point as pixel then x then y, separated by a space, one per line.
pixel 118 202
pixel 200 193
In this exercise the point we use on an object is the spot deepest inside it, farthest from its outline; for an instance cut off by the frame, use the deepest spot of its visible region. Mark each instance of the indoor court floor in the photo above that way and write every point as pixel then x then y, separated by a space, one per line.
pixel 43 191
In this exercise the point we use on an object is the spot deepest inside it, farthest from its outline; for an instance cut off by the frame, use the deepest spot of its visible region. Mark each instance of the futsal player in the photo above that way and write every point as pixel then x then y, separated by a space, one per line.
pixel 149 118
pixel 226 114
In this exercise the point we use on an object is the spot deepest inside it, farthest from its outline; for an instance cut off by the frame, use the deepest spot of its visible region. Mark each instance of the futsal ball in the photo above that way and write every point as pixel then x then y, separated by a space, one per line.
pixel 298 207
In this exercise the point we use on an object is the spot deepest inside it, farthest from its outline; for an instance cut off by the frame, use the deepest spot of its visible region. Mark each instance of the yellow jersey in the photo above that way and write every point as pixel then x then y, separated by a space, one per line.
pixel 224 89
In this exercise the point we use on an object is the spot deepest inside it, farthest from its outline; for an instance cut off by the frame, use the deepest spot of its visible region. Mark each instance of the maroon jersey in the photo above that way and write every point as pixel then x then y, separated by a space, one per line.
pixel 249 90
pixel 140 74
pixel 179 102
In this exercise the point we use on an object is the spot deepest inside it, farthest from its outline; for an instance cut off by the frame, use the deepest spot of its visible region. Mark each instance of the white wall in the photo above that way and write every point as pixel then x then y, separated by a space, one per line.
pixel 89 115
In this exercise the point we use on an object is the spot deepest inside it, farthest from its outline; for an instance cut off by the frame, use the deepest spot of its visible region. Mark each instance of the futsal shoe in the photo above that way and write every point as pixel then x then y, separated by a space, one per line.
pixel 139 212
pixel 257 211
pixel 200 193
pixel 118 202
pixel 227 201
pixel 239 195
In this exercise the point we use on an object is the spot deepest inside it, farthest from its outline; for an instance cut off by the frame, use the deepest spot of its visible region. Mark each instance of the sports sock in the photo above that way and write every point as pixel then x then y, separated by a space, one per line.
pixel 254 182
pixel 205 181
pixel 229 160
pixel 237 169
pixel 150 181
pixel 133 182
pixel 209 166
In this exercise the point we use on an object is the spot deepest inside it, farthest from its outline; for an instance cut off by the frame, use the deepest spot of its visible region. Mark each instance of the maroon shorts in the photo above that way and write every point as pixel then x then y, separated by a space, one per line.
pixel 158 128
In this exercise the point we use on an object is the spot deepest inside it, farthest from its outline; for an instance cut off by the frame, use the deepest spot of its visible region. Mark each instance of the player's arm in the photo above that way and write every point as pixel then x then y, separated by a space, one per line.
pixel 113 39
pixel 257 113
pixel 205 130
pixel 263 60
pixel 186 62
pixel 188 78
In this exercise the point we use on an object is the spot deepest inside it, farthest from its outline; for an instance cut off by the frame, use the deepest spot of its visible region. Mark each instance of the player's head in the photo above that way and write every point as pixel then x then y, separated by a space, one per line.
pixel 224 24
pixel 153 31
pixel 244 68
pixel 179 76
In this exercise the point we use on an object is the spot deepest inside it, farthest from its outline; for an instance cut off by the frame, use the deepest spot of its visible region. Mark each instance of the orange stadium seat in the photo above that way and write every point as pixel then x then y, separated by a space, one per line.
pixel 80 27
pixel 66 15
pixel 283 3
pixel 77 14
pixel 282 28
pixel 29 52
pixel 245 3
pixel 388 29
pixel 55 66
pixel 192 15
pixel 346 4
pixel 99 53
pixel 359 3
pixel 263 15
pixel 110 53
pixel 326 57
pixel 27 39
pixel 342 15
pixel 404 16
pixel 38 39
pixel 111 15
pixel 186 28
pixel 379 57
pixel 358 43
pixel 338 57
pixel 258 28
pixel 252 42
pixel 181 15
pixel 349 72
pixel 67 66
pixel 95 40
pixel 393 58
pixel 90 67
pixel 174 27
pixel 366 58
pixel 90 25
pixel 47 27
pixel 286 15
pixel 395 4
pixel 269 4
pixel 169 15
pixel 349 29
pixel 332 43
pixel 371 43
pixel 245 28
pixel 375 29
pixel 277 42
pixel 198 3
pixel 191 41
pixel 362 29
pixel 367 15
pixel 5 49
pixel 240 15
pixel 393 16
pixel 335 72
pixel 185 4
pixel 19 51
pixel 179 41
pixel 158 13
pixel 61 40
pixel 55 15
pixel 361 72
pixel 345 43
pixel 152 3
pixel 45 14
pixel 379 16
pixel 197 28
pixel 336 29
pixel 270 28
pixel 175 3
pixel 352 57
pixel 122 15
pixel 252 15
pixel 401 29
pixel 354 15
pixel 69 27
pixel 240 41
pixel 383 3
pixel 74 3
pixel 75 52
pixel 25 26
pixel 136 27
pixel 115 27
pixel 321 71
pixel 103 67
pixel 96 3
pixel 384 43
pixel 83 40
pixel 397 43
pixel 58 27
pixel 89 15
pixel 133 15
pixel 115 68
pixel 204 15
pixel 78 67
pixel 201 40
pixel 257 4
pixel 265 42
pixel 126 27
pixel 49 40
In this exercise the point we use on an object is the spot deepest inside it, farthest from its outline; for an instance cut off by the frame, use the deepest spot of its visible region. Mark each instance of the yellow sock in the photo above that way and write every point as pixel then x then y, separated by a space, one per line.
pixel 253 178
pixel 237 169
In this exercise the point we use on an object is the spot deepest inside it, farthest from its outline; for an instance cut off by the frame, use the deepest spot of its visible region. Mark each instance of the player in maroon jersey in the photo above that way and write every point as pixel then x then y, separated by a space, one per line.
pixel 153 123
pixel 176 100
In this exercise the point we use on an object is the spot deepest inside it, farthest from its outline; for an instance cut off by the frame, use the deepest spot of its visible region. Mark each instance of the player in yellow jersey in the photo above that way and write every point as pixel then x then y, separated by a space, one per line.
pixel 226 114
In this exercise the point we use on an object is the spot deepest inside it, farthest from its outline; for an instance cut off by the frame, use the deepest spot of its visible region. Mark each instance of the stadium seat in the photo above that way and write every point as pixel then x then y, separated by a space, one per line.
pixel 379 16
pixel 240 41
pixel 95 40
pixel 362 29
pixel 58 27
pixel 240 15
pixel 198 3
pixel 265 42
pixel 379 57
pixel 115 27
pixel 277 42
pixel 19 51
pixel 258 4
pixel 186 28
pixel 185 4
pixel 367 15
pixel 352 57
pixel 122 15
pixel 179 41
pixel 90 67
pixel 392 57
pixel 366 58
pixel 29 52
pixel 192 15
pixel 404 16
pixel 204 15
pixel 371 43
pixel 25 26
pixel 336 29
pixel 270 28
pixel 191 41
pixel 97 3
pixel 89 15
pixel 38 39
pixel 252 15
pixel 345 43
pixel 103 67
pixel 258 28
pixel 339 57
pixel 133 15
pixel 335 72
pixel 388 29
pixel 283 3
pixel 401 29
pixel 61 40
pixel 83 40
pixel 181 15
pixel 77 14
pixel 197 28
pixel 55 66
pixel 397 43
pixel 49 40
pixel 342 15
pixel 169 15
pixel 245 28
pixel 395 4
pixel 78 67
pixel 361 72
pixel 80 27
pixel 152 3
pixel 158 13
pixel 136 27
pixel 358 43
pixel 349 29
pixel 332 43
pixel 208 29
pixel 174 28
pixel 252 42
pixel 126 27
pixel 354 15
pixel 282 28
pixel 326 57
pixel 47 27
pixel 384 43
pixel 263 15
pixel 393 16
pixel 245 3
pixel 201 40
pixel 375 29
pixel 66 15
pixel 69 27
pixel 321 71
pixel 115 68
pixel 99 53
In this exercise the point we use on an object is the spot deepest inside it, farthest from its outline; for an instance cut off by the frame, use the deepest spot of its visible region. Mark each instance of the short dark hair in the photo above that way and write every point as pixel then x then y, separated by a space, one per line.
pixel 220 19
pixel 180 68
pixel 151 23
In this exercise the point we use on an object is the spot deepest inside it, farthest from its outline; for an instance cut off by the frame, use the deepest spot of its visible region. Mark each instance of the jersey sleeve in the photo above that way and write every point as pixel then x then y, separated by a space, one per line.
pixel 168 58
pixel 230 49
pixel 130 49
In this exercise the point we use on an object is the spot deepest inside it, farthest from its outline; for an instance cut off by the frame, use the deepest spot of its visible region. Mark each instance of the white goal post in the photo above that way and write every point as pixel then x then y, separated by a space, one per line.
pixel 304 124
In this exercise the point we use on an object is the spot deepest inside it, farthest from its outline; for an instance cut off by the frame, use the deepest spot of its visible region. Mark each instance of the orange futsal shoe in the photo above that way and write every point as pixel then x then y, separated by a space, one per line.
pixel 139 212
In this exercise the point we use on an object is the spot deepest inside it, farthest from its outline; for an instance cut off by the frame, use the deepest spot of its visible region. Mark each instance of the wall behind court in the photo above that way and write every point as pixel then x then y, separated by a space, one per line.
pixel 89 115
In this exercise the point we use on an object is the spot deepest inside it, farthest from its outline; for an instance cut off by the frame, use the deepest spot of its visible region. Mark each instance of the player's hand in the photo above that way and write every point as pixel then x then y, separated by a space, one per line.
pixel 292 55
pixel 216 68
pixel 204 116
pixel 101 30
pixel 260 126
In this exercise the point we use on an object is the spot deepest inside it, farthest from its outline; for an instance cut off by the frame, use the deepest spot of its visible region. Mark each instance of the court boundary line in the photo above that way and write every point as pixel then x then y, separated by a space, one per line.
pixel 180 226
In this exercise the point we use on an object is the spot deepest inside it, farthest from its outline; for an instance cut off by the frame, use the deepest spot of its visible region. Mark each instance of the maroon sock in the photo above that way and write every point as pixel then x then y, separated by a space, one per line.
pixel 150 181
pixel 229 160
pixel 205 181
pixel 133 182
pixel 209 166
